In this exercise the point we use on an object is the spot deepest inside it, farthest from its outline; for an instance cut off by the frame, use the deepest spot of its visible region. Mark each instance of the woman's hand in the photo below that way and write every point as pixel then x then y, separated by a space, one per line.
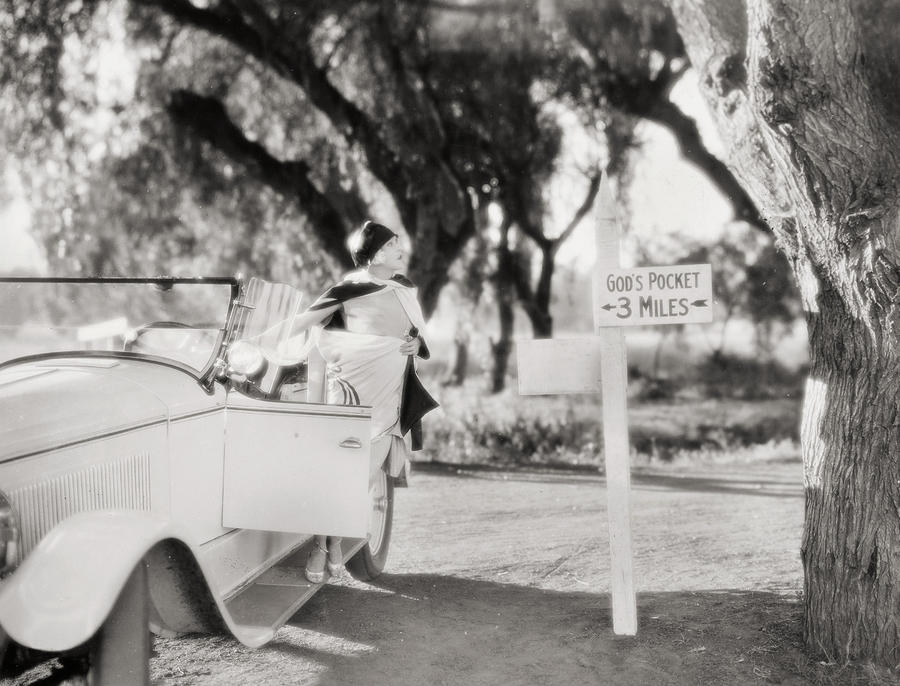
pixel 410 347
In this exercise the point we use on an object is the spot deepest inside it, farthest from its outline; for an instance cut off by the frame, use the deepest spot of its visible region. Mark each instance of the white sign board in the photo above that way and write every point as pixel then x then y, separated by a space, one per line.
pixel 552 366
pixel 641 296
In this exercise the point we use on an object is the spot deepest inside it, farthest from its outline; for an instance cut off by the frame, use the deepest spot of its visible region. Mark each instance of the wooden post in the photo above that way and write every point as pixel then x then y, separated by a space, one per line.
pixel 616 444
pixel 641 296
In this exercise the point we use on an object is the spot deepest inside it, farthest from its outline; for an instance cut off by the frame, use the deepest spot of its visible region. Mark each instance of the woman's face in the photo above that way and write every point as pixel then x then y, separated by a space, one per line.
pixel 391 255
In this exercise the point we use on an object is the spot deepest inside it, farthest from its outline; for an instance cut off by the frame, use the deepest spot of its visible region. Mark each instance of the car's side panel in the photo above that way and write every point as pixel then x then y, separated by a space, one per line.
pixel 296 467
pixel 112 473
pixel 180 392
pixel 196 450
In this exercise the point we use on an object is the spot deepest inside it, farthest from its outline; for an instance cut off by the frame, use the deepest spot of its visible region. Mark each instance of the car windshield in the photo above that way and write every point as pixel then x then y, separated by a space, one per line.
pixel 177 319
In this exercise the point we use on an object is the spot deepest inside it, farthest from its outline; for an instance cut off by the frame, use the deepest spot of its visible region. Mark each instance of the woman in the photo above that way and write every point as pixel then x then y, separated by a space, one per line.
pixel 372 328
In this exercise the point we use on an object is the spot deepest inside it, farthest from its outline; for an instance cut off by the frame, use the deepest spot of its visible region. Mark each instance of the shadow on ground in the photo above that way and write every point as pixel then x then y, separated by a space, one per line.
pixel 772 488
pixel 737 483
pixel 426 629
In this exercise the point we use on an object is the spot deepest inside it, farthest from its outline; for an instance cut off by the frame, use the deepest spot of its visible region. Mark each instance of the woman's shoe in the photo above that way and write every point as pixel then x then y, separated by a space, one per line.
pixel 335 557
pixel 315 564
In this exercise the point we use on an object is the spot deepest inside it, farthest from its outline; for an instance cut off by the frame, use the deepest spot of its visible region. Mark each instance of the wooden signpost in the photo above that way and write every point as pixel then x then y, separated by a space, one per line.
pixel 621 297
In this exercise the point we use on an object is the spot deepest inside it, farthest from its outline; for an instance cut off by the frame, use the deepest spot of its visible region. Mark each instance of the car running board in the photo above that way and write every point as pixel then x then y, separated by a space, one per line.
pixel 262 607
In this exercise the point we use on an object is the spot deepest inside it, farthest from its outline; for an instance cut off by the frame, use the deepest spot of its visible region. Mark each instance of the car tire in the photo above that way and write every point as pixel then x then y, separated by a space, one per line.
pixel 369 562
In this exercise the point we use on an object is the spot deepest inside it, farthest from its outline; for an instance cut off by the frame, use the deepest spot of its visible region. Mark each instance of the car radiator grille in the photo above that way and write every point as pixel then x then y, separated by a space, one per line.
pixel 119 485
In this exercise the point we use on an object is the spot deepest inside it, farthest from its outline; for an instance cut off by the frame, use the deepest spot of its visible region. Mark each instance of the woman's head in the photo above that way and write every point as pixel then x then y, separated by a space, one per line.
pixel 392 256
pixel 375 244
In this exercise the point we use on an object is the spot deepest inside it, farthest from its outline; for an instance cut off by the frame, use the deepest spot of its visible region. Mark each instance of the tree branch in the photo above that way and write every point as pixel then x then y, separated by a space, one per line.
pixel 649 99
pixel 684 129
pixel 293 61
pixel 533 232
pixel 715 35
pixel 580 213
pixel 207 119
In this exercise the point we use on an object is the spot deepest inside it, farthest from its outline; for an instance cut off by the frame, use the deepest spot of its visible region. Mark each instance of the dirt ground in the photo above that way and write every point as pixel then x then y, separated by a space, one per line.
pixel 501 578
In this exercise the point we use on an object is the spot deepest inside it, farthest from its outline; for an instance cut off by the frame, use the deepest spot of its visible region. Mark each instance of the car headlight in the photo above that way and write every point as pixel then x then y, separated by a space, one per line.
pixel 9 536
pixel 245 358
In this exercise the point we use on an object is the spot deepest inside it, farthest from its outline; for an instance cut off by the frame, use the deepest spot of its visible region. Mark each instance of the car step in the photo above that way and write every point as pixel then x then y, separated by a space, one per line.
pixel 264 606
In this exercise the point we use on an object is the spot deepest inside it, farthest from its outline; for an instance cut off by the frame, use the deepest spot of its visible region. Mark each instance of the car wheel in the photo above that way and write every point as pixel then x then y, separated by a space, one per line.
pixel 369 562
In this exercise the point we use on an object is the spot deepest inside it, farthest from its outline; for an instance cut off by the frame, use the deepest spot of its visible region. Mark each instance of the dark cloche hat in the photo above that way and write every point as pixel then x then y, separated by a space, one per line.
pixel 367 241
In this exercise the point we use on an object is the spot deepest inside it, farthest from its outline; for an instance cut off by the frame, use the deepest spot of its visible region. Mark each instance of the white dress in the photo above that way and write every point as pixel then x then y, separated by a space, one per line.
pixel 364 365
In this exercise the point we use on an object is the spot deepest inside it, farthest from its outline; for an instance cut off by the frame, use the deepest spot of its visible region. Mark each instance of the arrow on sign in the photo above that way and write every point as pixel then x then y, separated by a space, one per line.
pixel 608 307
pixel 699 303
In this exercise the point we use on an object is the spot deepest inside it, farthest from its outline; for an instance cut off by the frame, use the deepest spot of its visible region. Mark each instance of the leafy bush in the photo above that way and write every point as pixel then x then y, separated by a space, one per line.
pixel 482 431
pixel 733 376
pixel 507 430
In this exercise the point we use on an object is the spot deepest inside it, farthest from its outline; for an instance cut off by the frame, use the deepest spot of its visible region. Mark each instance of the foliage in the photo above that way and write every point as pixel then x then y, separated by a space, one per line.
pixel 626 57
pixel 478 437
pixel 732 376
pixel 771 300
pixel 750 280
pixel 413 112
pixel 507 430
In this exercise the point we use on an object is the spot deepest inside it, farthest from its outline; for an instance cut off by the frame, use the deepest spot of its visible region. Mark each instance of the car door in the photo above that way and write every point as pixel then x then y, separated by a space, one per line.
pixel 296 467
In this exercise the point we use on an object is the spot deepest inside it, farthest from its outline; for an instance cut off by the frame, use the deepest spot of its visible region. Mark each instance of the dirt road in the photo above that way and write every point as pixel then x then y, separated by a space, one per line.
pixel 503 579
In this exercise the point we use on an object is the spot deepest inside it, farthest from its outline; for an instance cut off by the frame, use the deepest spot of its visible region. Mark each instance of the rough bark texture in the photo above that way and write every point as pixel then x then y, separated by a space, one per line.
pixel 792 94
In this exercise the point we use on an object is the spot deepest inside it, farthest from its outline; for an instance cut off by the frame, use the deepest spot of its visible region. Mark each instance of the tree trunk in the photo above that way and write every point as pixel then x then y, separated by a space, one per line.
pixel 458 365
pixel 542 321
pixel 505 290
pixel 536 304
pixel 851 538
pixel 816 146
pixel 502 347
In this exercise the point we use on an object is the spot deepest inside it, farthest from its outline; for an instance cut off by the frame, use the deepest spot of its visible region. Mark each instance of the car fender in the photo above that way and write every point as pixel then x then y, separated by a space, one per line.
pixel 64 590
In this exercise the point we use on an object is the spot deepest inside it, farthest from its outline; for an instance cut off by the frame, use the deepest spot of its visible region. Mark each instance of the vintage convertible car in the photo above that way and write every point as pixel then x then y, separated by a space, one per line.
pixel 165 461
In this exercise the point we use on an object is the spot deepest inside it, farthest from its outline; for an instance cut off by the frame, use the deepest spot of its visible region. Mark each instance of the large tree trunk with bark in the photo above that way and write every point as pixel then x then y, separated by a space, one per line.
pixel 851 443
pixel 790 84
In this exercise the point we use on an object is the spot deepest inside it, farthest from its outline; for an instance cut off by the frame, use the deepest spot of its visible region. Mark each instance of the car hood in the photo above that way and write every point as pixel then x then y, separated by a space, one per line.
pixel 56 402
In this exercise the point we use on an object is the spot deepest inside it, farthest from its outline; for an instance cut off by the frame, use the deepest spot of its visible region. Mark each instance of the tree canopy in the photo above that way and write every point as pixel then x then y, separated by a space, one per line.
pixel 254 135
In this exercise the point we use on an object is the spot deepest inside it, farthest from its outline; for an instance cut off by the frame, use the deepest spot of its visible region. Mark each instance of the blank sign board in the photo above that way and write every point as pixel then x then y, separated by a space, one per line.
pixel 551 366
